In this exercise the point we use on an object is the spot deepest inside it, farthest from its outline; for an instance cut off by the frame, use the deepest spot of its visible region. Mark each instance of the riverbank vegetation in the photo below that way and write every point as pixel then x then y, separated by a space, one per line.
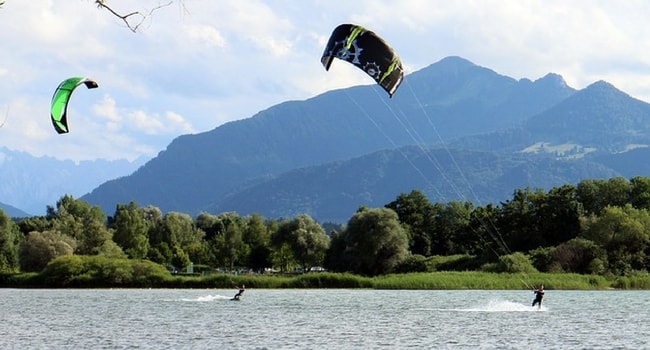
pixel 100 272
pixel 595 235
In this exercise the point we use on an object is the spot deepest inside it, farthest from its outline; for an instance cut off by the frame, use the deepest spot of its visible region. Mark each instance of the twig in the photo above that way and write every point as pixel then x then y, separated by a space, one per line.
pixel 7 114
pixel 125 18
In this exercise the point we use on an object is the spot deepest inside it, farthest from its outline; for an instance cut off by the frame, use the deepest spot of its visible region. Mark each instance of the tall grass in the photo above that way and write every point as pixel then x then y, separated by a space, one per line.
pixel 486 281
pixel 424 280
pixel 96 272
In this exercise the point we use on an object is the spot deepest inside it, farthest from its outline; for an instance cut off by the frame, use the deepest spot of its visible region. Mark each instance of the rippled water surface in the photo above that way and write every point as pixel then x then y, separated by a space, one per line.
pixel 322 319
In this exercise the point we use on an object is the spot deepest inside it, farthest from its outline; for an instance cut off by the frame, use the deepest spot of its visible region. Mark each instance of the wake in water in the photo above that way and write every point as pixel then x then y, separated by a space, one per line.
pixel 505 306
pixel 499 306
pixel 208 298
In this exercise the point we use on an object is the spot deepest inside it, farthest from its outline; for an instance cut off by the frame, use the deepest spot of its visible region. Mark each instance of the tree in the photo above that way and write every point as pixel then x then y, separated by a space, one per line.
pixel 640 192
pixel 624 232
pixel 283 257
pixel 588 193
pixel 82 222
pixel 538 219
pixel 229 244
pixel 306 238
pixel 153 218
pixel 518 222
pixel 417 215
pixel 256 235
pixel 10 239
pixel 34 223
pixel 177 229
pixel 39 248
pixel 595 195
pixel 375 241
pixel 451 229
pixel 616 192
pixel 226 242
pixel 559 216
pixel 131 230
pixel 170 233
pixel 208 223
pixel 485 238
pixel 179 257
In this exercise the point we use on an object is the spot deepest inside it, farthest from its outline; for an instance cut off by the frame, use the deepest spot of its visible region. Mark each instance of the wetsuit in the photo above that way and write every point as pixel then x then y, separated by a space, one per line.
pixel 241 291
pixel 539 294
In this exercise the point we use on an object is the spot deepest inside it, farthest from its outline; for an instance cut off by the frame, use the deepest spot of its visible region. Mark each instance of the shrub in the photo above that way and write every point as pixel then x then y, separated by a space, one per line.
pixel 101 271
pixel 578 255
pixel 515 263
pixel 412 263
pixel 542 258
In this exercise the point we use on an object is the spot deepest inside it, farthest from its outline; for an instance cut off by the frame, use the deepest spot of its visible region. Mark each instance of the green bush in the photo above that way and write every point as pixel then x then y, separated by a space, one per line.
pixel 515 263
pixel 542 259
pixel 412 263
pixel 459 262
pixel 101 271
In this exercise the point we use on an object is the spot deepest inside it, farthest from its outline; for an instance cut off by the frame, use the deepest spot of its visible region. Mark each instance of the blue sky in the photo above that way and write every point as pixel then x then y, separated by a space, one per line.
pixel 196 64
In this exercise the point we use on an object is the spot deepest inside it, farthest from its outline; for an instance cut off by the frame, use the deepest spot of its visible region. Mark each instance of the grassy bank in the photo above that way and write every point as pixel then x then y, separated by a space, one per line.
pixel 99 272
pixel 440 281
pixel 431 281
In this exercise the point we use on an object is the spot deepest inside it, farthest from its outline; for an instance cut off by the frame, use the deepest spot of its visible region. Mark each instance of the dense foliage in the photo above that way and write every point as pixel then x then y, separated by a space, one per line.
pixel 599 227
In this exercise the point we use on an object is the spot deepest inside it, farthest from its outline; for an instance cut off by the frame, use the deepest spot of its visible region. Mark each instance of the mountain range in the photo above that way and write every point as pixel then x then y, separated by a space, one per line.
pixel 29 184
pixel 454 130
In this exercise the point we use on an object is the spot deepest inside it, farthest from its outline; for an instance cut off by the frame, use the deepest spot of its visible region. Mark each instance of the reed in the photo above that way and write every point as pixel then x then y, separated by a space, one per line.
pixel 490 281
pixel 425 280
pixel 143 275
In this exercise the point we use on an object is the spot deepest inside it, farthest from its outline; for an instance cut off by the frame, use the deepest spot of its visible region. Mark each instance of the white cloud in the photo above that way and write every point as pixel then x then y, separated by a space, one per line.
pixel 206 35
pixel 192 68
pixel 178 123
pixel 148 123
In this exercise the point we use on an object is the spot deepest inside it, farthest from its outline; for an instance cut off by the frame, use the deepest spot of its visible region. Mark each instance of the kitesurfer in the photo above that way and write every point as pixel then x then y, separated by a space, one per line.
pixel 242 289
pixel 539 295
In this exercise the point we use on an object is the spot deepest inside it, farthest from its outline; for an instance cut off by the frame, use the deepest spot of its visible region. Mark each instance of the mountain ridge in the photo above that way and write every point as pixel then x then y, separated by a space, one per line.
pixel 455 130
pixel 335 125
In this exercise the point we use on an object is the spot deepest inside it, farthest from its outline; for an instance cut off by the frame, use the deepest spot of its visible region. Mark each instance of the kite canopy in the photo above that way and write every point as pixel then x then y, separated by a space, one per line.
pixel 59 109
pixel 366 50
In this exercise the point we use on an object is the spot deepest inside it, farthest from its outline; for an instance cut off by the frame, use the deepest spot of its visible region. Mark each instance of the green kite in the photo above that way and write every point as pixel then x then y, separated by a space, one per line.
pixel 59 109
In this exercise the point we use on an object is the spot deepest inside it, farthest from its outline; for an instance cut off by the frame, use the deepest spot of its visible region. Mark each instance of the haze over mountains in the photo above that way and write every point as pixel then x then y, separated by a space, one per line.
pixel 454 130
pixel 29 184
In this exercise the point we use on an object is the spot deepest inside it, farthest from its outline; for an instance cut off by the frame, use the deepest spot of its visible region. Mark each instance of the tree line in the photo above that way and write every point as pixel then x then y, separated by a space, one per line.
pixel 595 227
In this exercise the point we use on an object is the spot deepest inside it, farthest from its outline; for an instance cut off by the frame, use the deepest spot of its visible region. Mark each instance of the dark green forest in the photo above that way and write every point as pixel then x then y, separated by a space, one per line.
pixel 597 227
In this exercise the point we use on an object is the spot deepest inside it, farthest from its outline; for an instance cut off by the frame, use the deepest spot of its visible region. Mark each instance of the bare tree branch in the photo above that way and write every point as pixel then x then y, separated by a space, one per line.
pixel 133 20
pixel 7 114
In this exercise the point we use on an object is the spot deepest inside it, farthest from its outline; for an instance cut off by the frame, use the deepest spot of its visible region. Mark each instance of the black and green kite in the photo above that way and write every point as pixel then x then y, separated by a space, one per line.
pixel 367 51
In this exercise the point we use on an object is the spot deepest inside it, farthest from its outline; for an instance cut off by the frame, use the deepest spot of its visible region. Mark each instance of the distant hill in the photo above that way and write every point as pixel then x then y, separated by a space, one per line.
pixel 25 185
pixel 595 122
pixel 333 192
pixel 449 99
pixel 13 212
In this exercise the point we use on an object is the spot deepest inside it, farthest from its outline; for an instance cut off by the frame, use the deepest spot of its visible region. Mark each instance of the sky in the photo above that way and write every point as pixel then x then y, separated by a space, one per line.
pixel 194 65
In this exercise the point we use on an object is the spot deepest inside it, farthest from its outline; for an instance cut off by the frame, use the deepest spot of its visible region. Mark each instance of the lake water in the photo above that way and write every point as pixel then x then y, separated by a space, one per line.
pixel 322 319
